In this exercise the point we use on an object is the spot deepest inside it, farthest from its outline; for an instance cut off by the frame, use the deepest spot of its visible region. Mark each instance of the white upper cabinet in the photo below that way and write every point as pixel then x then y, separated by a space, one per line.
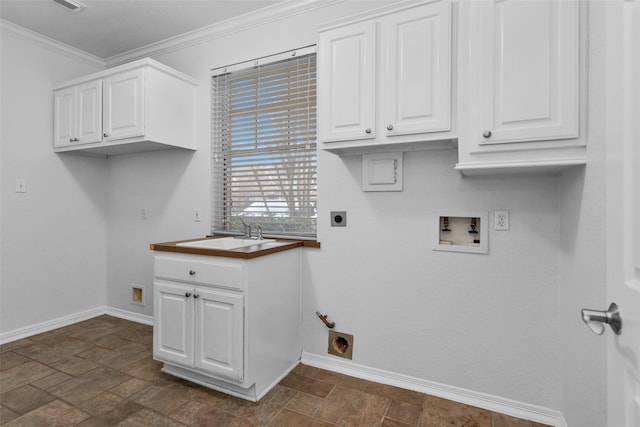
pixel 123 105
pixel 347 77
pixel 520 85
pixel 385 79
pixel 78 115
pixel 140 106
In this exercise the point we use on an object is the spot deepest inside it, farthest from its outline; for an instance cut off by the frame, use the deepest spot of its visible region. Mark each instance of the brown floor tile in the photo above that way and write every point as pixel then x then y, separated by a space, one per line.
pixel 129 388
pixel 104 366
pixel 345 380
pixel 88 385
pixel 54 414
pixel 146 369
pixel 293 419
pixel 148 418
pixel 53 351
pixel 10 346
pixel 111 342
pixel 162 398
pixel 437 412
pixel 123 356
pixel 10 360
pixel 304 404
pixel 259 412
pixel 198 414
pixel 7 415
pixel 111 408
pixel 350 407
pixel 395 393
pixel 26 398
pixel 74 365
pixel 22 375
pixel 52 380
pixel 307 385
pixel 306 370
pixel 404 412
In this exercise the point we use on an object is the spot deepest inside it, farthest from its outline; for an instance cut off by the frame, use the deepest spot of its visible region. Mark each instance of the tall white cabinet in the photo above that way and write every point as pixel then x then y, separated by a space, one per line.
pixel 385 78
pixel 521 73
pixel 140 106
pixel 229 324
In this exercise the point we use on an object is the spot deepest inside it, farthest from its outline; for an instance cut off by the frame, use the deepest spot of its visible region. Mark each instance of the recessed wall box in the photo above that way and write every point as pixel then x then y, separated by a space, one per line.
pixel 460 231
pixel 382 172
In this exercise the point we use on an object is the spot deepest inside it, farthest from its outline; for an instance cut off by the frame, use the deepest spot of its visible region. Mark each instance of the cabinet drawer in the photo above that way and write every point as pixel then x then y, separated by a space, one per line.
pixel 208 272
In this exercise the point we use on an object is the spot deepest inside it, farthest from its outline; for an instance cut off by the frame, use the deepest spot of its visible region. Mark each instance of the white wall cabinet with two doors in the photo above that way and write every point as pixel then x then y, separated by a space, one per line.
pixel 229 324
pixel 505 79
pixel 140 106
pixel 385 78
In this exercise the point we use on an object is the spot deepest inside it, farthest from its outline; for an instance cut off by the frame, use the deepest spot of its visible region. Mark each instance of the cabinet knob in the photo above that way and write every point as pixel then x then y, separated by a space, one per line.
pixel 389 127
pixel 487 134
pixel 188 294
pixel 192 273
pixel 367 130
pixel 70 139
pixel 196 295
pixel 106 135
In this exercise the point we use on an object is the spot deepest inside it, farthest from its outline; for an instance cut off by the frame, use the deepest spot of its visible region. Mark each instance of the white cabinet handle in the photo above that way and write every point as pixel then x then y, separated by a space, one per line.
pixel 487 134
pixel 192 273
pixel 389 127
pixel 106 135
pixel 367 130
pixel 188 294
pixel 196 296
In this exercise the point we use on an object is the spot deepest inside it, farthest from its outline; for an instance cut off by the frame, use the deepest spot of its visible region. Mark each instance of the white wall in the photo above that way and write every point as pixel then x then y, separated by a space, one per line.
pixel 53 236
pixel 582 255
pixel 482 322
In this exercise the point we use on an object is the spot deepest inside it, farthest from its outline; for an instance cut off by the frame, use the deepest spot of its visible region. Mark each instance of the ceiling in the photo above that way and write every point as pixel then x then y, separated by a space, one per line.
pixel 106 28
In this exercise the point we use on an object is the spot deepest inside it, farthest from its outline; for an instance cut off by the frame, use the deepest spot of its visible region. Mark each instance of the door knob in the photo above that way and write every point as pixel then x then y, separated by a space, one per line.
pixel 596 320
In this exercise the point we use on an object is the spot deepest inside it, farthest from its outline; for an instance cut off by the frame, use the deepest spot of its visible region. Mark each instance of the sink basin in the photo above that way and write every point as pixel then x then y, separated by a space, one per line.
pixel 225 243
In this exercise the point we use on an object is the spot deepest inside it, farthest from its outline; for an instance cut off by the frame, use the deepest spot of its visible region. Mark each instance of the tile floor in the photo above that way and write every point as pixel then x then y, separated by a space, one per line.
pixel 100 372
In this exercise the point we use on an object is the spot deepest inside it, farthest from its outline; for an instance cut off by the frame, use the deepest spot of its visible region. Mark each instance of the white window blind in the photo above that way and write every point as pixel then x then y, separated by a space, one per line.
pixel 264 148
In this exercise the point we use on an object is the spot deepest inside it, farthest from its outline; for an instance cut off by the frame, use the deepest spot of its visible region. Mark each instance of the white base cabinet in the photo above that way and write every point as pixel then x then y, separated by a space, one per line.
pixel 140 106
pixel 229 324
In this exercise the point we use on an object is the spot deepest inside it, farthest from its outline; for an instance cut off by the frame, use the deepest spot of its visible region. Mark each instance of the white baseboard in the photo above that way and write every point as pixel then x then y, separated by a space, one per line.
pixel 50 325
pixel 468 397
pixel 129 315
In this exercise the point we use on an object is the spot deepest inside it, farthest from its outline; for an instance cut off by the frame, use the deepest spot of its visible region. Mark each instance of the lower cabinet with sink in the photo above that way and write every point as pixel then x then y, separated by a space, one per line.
pixel 226 323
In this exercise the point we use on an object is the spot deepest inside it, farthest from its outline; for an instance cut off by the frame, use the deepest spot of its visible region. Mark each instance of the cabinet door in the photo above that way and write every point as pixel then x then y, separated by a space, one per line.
pixel 89 118
pixel 417 64
pixel 219 331
pixel 346 81
pixel 529 70
pixel 64 117
pixel 173 323
pixel 124 105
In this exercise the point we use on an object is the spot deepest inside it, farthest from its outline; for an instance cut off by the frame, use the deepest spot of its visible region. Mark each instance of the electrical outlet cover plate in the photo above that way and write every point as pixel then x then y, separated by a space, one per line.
pixel 501 220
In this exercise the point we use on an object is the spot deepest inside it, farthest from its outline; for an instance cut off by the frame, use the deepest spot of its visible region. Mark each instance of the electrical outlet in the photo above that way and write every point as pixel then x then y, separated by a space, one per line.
pixel 501 220
pixel 21 185
pixel 196 215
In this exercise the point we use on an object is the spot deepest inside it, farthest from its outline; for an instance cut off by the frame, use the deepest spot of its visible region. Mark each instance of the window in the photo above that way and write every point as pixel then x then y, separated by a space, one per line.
pixel 264 146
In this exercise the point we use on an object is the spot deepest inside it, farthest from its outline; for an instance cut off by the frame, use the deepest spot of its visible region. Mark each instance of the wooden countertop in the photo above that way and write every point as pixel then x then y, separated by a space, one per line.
pixel 247 252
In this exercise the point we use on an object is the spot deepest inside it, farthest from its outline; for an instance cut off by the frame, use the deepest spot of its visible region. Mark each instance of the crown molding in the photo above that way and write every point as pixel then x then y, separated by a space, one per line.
pixel 11 29
pixel 230 26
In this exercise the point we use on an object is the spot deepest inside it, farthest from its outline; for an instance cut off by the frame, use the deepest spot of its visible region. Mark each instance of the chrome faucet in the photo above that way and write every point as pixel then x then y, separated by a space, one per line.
pixel 247 229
